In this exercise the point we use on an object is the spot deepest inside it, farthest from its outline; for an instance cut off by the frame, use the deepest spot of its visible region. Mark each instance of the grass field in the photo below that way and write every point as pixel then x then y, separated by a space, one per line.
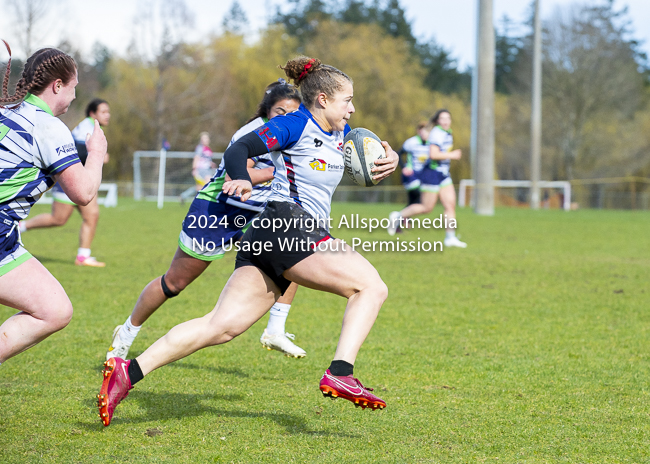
pixel 529 346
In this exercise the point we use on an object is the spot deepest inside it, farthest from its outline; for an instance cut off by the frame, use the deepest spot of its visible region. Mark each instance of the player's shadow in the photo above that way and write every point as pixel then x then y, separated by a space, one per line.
pixel 163 406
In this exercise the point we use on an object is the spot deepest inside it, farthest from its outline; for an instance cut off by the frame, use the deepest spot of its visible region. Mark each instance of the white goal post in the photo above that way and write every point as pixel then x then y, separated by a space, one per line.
pixel 108 201
pixel 562 184
pixel 164 175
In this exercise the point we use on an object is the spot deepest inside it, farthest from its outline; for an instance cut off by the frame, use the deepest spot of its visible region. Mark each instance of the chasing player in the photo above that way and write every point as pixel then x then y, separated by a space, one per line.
pixel 37 150
pixel 213 217
pixel 435 179
pixel 62 206
pixel 301 196
pixel 414 154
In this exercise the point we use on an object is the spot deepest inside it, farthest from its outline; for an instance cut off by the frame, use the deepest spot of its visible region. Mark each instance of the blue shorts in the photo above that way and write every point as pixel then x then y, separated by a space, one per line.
pixel 209 225
pixel 411 182
pixel 59 195
pixel 432 180
pixel 12 253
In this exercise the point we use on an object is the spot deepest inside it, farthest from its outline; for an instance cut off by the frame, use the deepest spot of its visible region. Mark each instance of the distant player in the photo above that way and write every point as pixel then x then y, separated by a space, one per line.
pixel 202 166
pixel 299 192
pixel 435 179
pixel 37 150
pixel 205 223
pixel 62 206
pixel 414 155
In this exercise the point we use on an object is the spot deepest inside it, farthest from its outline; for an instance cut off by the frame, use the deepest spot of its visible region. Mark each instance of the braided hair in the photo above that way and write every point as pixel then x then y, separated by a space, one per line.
pixel 41 69
pixel 313 78
pixel 275 92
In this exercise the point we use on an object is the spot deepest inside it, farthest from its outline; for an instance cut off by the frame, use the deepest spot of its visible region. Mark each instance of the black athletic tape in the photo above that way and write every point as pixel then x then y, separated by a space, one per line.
pixel 166 290
pixel 237 154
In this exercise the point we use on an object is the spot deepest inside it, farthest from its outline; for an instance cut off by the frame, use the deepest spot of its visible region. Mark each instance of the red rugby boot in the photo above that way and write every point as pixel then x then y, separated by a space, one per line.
pixel 115 387
pixel 351 389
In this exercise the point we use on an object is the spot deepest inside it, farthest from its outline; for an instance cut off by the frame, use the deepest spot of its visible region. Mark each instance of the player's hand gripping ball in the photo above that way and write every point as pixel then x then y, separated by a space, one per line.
pixel 361 148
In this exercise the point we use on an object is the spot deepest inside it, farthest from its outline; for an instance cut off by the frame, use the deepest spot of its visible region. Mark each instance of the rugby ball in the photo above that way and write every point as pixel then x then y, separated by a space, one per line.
pixel 361 148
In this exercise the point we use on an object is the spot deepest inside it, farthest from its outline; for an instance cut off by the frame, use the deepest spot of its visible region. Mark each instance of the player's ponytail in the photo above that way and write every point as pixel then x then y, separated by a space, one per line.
pixel 314 77
pixel 41 69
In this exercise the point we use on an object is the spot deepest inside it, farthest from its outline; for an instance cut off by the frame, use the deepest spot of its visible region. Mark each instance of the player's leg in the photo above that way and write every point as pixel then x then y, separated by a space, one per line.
pixel 57 217
pixel 183 270
pixel 43 306
pixel 428 199
pixel 348 274
pixel 448 201
pixel 274 336
pixel 247 296
pixel 89 217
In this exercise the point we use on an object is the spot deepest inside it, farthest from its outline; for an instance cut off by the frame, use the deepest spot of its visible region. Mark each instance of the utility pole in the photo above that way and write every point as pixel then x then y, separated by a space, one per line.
pixel 484 191
pixel 474 122
pixel 536 112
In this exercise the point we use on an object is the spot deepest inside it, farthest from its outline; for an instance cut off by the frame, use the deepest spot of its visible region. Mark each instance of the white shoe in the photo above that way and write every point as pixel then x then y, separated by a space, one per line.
pixel 283 344
pixel 393 219
pixel 118 348
pixel 454 242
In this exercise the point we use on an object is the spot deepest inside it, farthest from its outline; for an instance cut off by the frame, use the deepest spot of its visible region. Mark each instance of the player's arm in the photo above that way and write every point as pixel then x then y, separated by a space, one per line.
pixel 258 176
pixel 80 183
pixel 436 154
pixel 236 159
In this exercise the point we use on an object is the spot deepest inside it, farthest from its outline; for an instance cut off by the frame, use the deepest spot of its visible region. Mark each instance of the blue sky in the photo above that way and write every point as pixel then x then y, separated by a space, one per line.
pixel 451 22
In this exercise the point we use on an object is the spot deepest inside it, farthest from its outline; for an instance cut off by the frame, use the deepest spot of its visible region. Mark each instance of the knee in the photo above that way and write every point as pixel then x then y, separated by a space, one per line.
pixel 377 290
pixel 91 218
pixel 174 283
pixel 380 289
pixel 60 317
pixel 59 221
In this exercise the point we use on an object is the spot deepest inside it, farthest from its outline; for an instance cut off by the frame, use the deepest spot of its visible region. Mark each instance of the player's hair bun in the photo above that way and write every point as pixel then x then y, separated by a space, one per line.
pixel 298 68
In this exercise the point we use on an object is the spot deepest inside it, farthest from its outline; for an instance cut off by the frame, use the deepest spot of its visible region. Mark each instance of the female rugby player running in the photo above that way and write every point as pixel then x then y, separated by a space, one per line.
pixel 435 179
pixel 300 195
pixel 62 207
pixel 205 223
pixel 37 150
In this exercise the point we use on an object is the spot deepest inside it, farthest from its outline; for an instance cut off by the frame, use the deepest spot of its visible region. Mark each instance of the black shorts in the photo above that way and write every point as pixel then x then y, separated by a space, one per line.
pixel 82 152
pixel 282 249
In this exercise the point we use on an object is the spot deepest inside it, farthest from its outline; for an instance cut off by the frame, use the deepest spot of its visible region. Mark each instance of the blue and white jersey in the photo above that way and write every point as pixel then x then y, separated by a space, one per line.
pixel 85 127
pixel 34 145
pixel 417 153
pixel 445 141
pixel 212 190
pixel 309 163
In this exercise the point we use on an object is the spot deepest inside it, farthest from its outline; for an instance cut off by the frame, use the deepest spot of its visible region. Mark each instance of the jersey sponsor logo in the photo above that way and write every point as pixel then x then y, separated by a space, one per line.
pixel 321 165
pixel 65 149
pixel 268 138
pixel 318 143
pixel 340 147
pixel 318 164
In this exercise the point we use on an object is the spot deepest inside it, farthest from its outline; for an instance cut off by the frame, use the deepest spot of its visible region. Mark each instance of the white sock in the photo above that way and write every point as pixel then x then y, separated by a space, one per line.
pixel 83 252
pixel 279 313
pixel 451 234
pixel 128 332
pixel 21 227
